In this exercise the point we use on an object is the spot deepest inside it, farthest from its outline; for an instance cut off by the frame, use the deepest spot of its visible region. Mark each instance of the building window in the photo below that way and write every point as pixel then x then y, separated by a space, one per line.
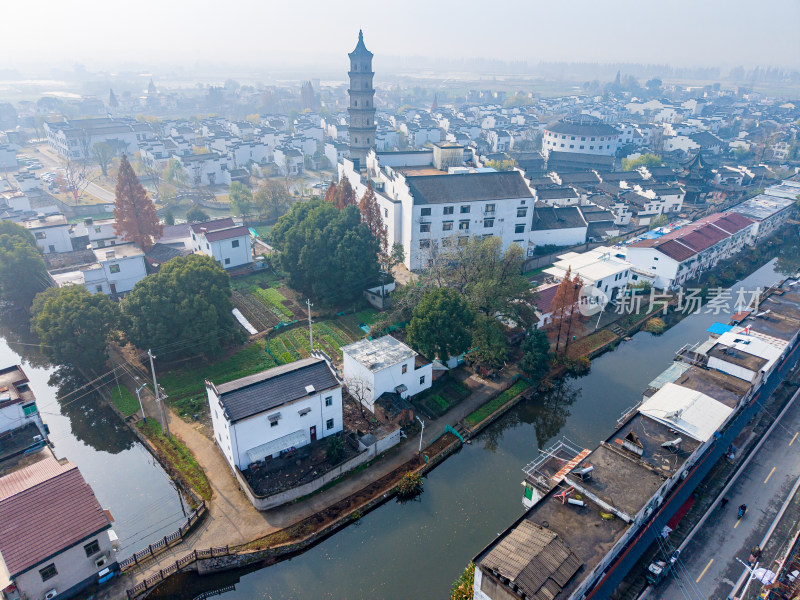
pixel 424 227
pixel 581 147
pixel 447 226
pixel 463 225
pixel 488 223
pixel 329 424
pixel 519 228
pixel 227 261
pixel 235 244
pixel 98 288
pixel 522 212
pixel 40 235
pixel 386 212
pixel 329 401
pixel 98 229
pixel 573 145
pixel 48 572
pixel 424 243
pixel 465 210
pixel 489 208
pixel 92 548
pixel 273 423
pixel 194 238
pixel 113 269
pixel 405 369
pixel 207 246
pixel 447 210
pixel 422 380
pixel 425 212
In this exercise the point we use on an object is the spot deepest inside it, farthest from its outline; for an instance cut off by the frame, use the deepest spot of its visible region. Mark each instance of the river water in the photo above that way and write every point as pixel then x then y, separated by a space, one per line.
pixel 125 477
pixel 415 550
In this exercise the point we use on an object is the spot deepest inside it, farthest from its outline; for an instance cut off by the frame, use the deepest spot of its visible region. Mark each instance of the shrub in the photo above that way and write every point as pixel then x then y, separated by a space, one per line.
pixel 409 485
pixel 462 587
pixel 335 450
pixel 580 366
pixel 655 325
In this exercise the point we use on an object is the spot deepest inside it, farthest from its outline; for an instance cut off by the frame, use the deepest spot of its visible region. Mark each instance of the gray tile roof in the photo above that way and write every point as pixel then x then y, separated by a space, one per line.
pixel 469 187
pixel 274 387
pixel 557 217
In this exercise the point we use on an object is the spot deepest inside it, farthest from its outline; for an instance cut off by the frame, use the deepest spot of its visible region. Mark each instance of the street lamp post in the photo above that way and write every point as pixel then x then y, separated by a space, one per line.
pixel 419 452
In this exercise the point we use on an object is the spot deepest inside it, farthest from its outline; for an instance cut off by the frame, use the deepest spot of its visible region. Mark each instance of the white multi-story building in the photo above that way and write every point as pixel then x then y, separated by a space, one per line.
pixel 206 169
pixel 51 233
pixel 427 210
pixel 74 139
pixel 227 243
pixel 375 367
pixel 582 134
pixel 769 212
pixel 116 270
pixel 258 417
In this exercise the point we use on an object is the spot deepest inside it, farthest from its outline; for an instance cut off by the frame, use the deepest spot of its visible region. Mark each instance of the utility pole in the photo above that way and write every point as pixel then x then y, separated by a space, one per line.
pixel 164 423
pixel 310 332
pixel 139 398
pixel 419 452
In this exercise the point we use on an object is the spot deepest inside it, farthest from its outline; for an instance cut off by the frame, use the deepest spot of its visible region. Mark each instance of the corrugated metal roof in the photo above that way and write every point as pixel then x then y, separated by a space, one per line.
pixel 46 517
pixel 688 411
pixel 269 389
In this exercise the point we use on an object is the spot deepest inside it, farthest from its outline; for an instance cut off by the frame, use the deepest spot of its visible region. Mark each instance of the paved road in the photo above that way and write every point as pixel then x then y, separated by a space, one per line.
pixel 710 557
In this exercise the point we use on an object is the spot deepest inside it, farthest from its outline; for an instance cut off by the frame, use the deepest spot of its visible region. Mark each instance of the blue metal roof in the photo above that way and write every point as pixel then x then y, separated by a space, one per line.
pixel 719 328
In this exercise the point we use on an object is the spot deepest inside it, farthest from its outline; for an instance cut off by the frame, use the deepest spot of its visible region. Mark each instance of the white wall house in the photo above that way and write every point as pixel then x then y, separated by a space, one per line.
pixel 116 270
pixel 206 169
pixel 374 367
pixel 45 554
pixel 257 417
pixel 600 270
pixel 51 233
pixel 101 232
pixel 227 243
pixel 558 226
pixel 17 402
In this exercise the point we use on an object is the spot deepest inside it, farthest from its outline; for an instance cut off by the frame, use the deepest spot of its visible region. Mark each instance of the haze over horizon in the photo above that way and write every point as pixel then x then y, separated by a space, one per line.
pixel 283 35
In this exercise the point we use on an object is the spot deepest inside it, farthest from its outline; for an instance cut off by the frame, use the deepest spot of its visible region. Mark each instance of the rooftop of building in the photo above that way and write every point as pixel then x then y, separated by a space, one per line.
pixel 593 264
pixel 379 353
pixel 46 221
pixel 118 251
pixel 581 124
pixel 764 206
pixel 557 217
pixel 254 394
pixel 467 187
pixel 737 357
pixel 14 386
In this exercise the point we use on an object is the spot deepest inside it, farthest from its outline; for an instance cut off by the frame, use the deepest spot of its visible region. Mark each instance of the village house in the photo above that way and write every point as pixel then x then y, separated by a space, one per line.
pixel 55 539
pixel 116 270
pixel 601 270
pixel 51 233
pixel 290 161
pixel 227 243
pixel 260 416
pixel 206 169
pixel 18 408
pixel 769 212
pixel 384 366
pixel 558 226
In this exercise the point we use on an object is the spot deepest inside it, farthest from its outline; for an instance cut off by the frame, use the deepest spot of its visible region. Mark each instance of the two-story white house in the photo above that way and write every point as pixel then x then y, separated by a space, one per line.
pixel 55 539
pixel 601 271
pixel 227 243
pixel 258 417
pixel 101 232
pixel 374 367
pixel 116 270
pixel 51 233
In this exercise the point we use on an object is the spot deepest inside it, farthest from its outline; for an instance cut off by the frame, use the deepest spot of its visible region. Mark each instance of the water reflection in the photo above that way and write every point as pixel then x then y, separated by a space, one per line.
pixel 15 329
pixel 91 421
pixel 548 411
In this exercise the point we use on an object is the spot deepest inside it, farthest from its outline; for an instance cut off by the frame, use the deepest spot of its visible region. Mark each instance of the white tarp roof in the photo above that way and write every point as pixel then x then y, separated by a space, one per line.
pixel 290 440
pixel 768 348
pixel 689 411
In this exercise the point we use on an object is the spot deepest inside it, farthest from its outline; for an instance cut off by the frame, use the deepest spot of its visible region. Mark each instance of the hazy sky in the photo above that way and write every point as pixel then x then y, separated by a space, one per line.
pixel 105 33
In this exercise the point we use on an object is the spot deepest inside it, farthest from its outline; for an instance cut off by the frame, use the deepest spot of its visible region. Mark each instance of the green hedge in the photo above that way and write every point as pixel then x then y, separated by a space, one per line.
pixel 495 403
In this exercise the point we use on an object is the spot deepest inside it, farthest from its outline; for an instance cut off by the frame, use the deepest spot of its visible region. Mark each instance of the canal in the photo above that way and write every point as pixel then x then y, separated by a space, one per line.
pixel 125 477
pixel 416 549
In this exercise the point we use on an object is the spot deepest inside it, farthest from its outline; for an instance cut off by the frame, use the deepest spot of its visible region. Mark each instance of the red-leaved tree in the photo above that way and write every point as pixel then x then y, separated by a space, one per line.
pixel 371 217
pixel 134 211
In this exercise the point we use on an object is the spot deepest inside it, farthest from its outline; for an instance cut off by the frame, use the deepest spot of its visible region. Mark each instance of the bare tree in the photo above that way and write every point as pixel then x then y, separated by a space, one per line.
pixel 360 392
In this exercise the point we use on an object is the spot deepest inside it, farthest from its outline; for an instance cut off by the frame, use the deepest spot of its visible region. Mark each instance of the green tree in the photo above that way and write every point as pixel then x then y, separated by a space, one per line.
pixel 22 270
pixel 134 212
pixel 328 253
pixel 185 308
pixel 462 587
pixel 489 342
pixel 175 173
pixel 659 221
pixel 501 165
pixel 645 160
pixel 103 154
pixel 536 355
pixel 271 200
pixel 169 217
pixel 73 326
pixel 197 215
pixel 241 199
pixel 440 324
